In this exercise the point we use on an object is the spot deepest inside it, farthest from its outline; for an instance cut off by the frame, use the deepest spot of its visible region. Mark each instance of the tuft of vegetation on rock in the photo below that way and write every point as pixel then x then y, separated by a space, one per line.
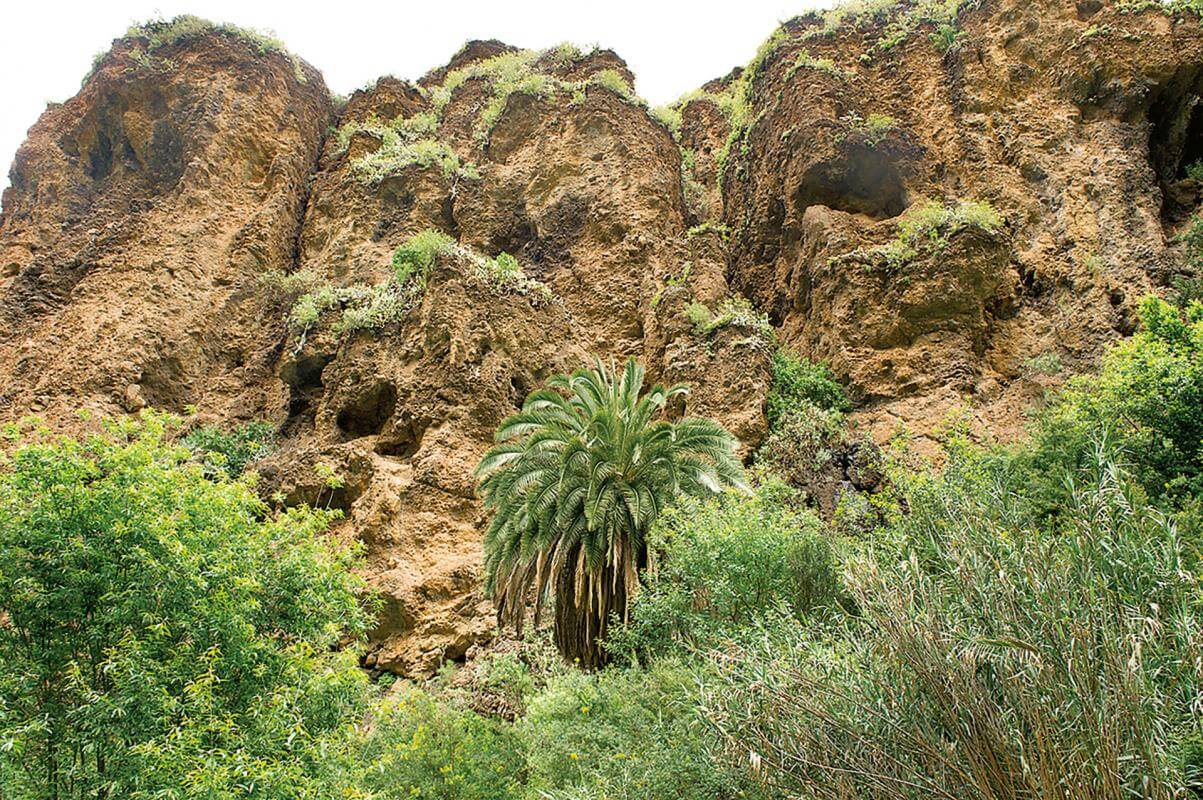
pixel 734 312
pixel 361 307
pixel 927 227
pixel 160 33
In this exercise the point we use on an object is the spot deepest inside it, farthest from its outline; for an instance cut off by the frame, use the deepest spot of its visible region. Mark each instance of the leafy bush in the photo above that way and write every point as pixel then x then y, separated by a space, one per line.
pixel 626 733
pixel 802 441
pixel 1192 240
pixel 720 565
pixel 797 381
pixel 228 451
pixel 423 749
pixel 993 657
pixel 1147 401
pixel 164 632
pixel 415 257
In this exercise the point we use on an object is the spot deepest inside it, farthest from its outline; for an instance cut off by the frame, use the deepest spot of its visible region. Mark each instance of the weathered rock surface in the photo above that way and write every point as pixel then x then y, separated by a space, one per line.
pixel 144 211
pixel 1075 121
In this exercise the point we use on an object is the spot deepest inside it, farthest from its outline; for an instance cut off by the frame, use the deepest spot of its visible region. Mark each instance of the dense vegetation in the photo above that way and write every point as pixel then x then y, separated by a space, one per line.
pixel 1021 622
pixel 1024 621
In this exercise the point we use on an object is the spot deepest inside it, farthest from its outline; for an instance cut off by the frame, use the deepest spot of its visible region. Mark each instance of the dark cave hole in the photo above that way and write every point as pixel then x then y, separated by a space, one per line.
pixel 519 389
pixel 100 158
pixel 866 181
pixel 1176 143
pixel 368 412
pixel 304 379
pixel 405 438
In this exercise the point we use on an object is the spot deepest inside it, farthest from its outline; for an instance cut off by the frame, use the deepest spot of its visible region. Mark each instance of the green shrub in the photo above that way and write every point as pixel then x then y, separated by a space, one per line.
pixel 717 566
pixel 626 733
pixel 415 257
pixel 224 450
pixel 797 381
pixel 802 441
pixel 992 657
pixel 504 274
pixel 736 312
pixel 1146 401
pixel 383 304
pixel 1192 241
pixel 946 38
pixel 164 632
pixel 423 749
pixel 927 226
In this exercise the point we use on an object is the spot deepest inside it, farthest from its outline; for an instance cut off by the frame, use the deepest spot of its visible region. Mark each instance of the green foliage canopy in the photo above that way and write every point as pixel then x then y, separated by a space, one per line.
pixel 163 634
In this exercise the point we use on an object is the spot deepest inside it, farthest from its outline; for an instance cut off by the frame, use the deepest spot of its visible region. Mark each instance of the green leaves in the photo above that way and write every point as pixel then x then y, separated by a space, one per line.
pixel 588 464
pixel 163 630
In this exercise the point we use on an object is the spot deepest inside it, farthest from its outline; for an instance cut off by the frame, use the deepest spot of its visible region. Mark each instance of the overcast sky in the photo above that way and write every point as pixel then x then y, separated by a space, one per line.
pixel 46 47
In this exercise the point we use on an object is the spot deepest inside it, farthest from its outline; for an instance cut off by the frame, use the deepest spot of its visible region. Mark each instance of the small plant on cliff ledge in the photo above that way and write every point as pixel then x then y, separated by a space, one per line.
pixel 413 260
pixel 928 225
pixel 404 142
pixel 874 129
pixel 573 485
pixel 736 312
pixel 160 33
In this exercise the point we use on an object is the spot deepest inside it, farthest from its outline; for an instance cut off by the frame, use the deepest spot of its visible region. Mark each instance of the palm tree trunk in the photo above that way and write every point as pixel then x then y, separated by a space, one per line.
pixel 584 610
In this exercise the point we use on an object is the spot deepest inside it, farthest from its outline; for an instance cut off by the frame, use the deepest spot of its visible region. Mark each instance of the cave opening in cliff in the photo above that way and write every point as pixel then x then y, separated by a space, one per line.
pixel 367 413
pixel 865 181
pixel 1176 145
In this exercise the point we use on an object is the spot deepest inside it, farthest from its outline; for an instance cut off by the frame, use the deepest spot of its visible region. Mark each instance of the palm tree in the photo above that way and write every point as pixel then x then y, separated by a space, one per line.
pixel 574 482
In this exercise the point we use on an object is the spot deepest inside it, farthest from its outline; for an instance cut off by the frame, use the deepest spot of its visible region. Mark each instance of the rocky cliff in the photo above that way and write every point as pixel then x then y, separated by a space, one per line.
pixel 954 204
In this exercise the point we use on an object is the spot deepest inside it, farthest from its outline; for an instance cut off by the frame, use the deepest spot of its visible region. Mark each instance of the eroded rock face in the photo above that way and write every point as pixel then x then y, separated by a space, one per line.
pixel 144 211
pixel 1071 120
pixel 587 195
pixel 140 215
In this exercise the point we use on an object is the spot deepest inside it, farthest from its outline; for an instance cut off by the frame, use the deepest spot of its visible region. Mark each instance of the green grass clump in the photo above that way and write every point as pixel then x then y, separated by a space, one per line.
pixel 927 227
pixel 159 33
pixel 734 312
pixel 806 61
pixel 504 274
pixel 405 142
pixel 875 128
pixel 229 450
pixel 361 307
pixel 417 254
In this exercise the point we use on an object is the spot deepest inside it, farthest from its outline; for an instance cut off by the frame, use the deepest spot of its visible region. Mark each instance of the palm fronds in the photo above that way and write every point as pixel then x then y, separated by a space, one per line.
pixel 575 481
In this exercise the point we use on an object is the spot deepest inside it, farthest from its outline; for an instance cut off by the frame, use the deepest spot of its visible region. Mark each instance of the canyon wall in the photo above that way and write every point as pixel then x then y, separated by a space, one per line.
pixel 939 214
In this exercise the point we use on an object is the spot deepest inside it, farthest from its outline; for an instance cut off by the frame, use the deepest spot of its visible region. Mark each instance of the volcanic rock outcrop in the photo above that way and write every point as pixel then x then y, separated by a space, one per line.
pixel 929 206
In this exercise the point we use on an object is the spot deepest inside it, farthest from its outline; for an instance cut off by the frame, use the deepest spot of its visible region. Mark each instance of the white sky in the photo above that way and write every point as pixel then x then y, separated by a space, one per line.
pixel 46 47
